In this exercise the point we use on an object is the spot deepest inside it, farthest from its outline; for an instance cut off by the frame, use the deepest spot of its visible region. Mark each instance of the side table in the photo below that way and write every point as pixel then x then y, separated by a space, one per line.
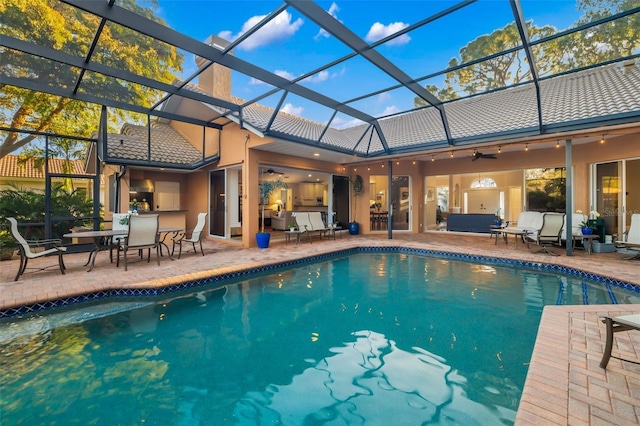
pixel 586 241
pixel 288 234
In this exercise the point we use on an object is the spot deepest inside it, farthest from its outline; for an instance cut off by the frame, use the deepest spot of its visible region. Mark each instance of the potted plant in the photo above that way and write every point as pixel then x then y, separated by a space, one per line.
pixel 586 227
pixel 266 189
pixel 358 187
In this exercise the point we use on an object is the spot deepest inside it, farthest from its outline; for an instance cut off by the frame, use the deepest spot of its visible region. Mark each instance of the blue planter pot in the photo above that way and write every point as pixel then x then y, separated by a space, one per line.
pixel 587 231
pixel 262 238
pixel 354 228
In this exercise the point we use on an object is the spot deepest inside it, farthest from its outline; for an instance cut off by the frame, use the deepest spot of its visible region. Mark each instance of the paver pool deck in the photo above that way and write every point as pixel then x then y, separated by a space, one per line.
pixel 564 386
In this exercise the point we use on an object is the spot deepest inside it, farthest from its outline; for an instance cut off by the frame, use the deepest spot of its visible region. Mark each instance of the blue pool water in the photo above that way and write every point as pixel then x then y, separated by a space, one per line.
pixel 376 339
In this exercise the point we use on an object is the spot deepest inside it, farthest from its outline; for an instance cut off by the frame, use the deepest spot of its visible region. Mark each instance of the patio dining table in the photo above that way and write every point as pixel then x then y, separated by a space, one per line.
pixel 102 240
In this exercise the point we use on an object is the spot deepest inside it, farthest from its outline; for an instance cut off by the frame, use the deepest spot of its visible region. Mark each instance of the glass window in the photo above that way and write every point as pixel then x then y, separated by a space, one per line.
pixel 546 189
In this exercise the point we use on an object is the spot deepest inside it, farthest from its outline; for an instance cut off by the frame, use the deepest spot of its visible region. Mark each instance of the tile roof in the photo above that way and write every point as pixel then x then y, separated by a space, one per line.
pixel 595 93
pixel 167 145
pixel 10 167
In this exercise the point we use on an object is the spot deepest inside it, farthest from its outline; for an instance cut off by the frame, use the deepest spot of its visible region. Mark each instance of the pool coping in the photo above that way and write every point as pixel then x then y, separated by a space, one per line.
pixel 565 384
pixel 156 288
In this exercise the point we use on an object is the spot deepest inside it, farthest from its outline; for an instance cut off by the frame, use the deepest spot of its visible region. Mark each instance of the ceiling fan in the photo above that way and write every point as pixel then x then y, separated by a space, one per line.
pixel 273 172
pixel 477 155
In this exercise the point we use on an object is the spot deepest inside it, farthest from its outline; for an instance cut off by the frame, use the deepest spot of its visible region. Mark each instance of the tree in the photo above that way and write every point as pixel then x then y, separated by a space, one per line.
pixel 55 25
pixel 493 73
pixel 605 42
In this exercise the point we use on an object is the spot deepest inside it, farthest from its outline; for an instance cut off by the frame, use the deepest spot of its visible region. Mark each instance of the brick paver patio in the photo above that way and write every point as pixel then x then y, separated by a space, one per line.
pixel 565 385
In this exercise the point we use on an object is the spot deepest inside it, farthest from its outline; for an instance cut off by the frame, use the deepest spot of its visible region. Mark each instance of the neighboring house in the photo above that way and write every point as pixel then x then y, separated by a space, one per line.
pixel 27 176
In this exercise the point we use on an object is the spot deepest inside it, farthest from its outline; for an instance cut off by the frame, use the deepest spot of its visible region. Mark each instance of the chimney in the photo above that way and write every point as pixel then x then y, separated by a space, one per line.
pixel 215 80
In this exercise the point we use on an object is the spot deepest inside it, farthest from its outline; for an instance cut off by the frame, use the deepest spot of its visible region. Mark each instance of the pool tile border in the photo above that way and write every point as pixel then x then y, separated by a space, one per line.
pixel 225 278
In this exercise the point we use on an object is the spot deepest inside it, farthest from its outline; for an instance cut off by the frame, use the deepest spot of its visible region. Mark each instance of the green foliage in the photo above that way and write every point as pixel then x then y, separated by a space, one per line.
pixel 55 25
pixel 598 44
pixel 546 189
pixel 28 206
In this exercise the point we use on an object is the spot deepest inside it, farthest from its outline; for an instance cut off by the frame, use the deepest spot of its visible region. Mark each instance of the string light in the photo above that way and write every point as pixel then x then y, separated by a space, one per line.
pixel 368 168
pixel 397 163
pixel 433 158
pixel 414 162
pixel 451 154
pixel 526 147
pixel 602 140
pixel 558 144
pixel 499 149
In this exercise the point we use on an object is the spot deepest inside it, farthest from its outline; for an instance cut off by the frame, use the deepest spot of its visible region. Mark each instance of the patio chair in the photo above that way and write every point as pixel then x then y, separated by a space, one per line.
pixel 317 224
pixel 615 324
pixel 26 252
pixel 632 237
pixel 193 237
pixel 303 223
pixel 549 234
pixel 119 222
pixel 143 234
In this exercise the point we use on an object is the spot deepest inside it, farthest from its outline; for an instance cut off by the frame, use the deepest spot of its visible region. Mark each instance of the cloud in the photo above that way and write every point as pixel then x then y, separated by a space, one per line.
pixel 284 74
pixel 279 28
pixel 339 123
pixel 379 31
pixel 318 78
pixel 391 109
pixel 383 97
pixel 333 11
pixel 293 110
pixel 315 78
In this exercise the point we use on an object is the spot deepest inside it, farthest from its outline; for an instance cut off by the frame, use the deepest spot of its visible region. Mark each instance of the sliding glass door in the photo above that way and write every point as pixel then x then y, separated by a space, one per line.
pixel 614 194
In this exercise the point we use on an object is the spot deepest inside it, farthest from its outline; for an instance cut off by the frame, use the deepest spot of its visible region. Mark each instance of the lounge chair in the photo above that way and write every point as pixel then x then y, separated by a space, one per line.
pixel 528 224
pixel 25 246
pixel 303 223
pixel 549 234
pixel 193 237
pixel 317 223
pixel 615 324
pixel 143 234
pixel 632 237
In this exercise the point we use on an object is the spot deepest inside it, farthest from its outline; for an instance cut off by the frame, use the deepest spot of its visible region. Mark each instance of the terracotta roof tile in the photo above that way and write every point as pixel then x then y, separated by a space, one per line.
pixel 167 145
pixel 9 167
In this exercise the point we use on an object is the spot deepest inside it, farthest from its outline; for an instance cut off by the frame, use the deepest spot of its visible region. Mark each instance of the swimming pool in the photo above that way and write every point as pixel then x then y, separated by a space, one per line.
pixel 363 339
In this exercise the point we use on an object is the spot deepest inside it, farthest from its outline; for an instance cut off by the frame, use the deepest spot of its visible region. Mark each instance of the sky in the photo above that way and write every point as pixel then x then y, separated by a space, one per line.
pixel 292 45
